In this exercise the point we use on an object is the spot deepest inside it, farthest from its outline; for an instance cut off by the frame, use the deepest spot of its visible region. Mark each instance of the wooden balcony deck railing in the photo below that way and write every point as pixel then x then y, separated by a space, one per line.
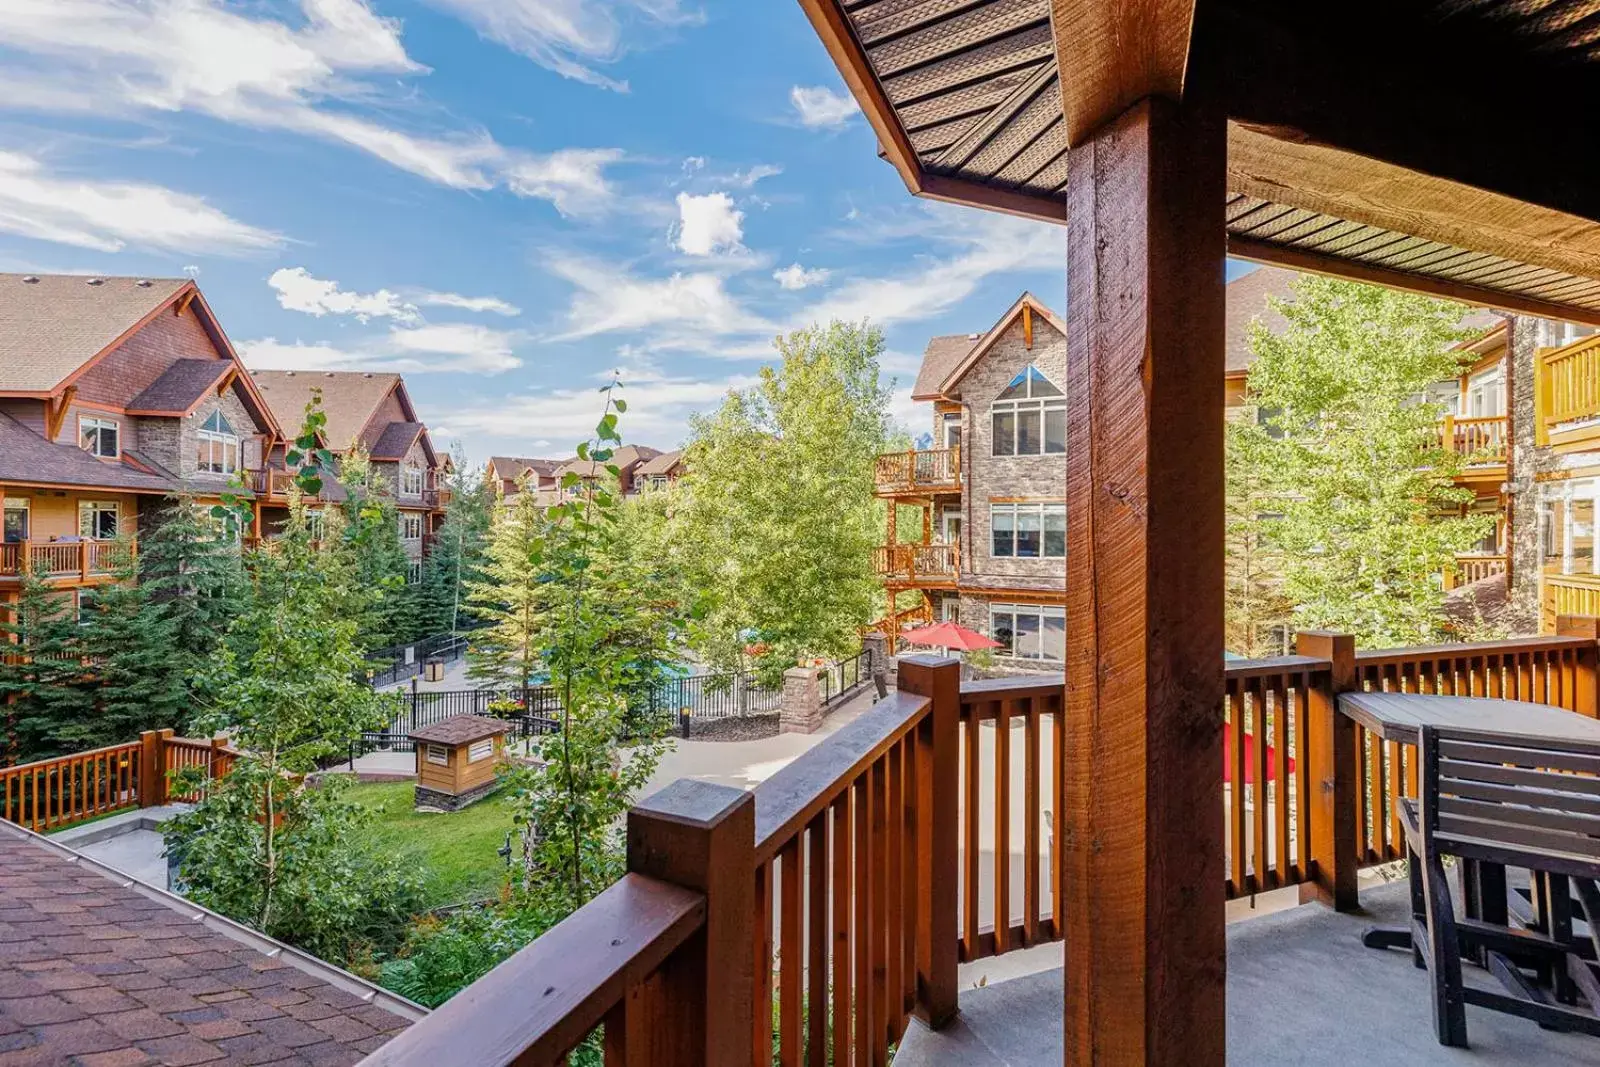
pixel 56 793
pixel 66 559
pixel 914 563
pixel 805 923
pixel 924 471
pixel 1479 440
pixel 1566 594
pixel 1567 392
pixel 1472 567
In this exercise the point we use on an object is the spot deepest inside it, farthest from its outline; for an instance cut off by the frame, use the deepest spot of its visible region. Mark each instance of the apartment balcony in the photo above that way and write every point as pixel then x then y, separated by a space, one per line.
pixel 930 566
pixel 1567 396
pixel 438 497
pixel 65 562
pixel 1474 567
pixel 922 473
pixel 271 486
pixel 1481 442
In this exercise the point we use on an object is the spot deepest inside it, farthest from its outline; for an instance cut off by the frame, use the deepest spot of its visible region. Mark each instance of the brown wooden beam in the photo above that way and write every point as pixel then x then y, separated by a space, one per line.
pixel 1112 53
pixel 1142 839
pixel 1318 263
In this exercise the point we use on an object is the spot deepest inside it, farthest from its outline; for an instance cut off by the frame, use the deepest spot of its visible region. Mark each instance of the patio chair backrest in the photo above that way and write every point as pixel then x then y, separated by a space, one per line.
pixel 1522 801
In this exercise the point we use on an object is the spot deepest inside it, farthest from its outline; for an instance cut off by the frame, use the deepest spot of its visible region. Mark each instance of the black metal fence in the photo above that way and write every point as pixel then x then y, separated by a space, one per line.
pixel 386 666
pixel 842 678
pixel 530 712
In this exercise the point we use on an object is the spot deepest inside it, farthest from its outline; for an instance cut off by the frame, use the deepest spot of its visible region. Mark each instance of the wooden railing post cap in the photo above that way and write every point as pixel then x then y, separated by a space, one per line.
pixel 680 831
pixel 693 802
pixel 930 661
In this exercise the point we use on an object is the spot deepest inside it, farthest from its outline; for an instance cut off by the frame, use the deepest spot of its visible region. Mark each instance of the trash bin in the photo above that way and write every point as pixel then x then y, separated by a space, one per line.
pixel 433 669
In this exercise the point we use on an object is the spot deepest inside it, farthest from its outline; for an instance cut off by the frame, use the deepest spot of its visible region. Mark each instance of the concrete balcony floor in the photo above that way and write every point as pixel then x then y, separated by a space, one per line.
pixel 1301 990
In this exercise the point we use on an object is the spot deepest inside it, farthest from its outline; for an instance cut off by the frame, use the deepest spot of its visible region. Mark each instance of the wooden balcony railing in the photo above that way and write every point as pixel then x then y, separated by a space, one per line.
pixel 271 485
pixel 57 793
pixel 1567 393
pixel 1478 441
pixel 926 471
pixel 842 894
pixel 1472 567
pixel 66 559
pixel 1567 594
pixel 912 564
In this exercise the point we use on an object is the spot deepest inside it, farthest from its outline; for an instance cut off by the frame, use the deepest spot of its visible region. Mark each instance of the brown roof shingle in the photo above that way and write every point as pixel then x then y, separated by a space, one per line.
pixel 938 360
pixel 349 399
pixel 1246 298
pixel 52 324
pixel 180 386
pixel 661 464
pixel 95 964
pixel 27 458
pixel 396 440
pixel 460 729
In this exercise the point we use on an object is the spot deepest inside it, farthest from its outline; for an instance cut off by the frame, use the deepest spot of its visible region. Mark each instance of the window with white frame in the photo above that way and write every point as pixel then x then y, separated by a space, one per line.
pixel 414 572
pixel 15 515
pixel 1567 516
pixel 410 526
pixel 1030 631
pixel 1486 394
pixel 217 446
pixel 411 480
pixel 100 437
pixel 1552 334
pixel 1029 417
pixel 97 519
pixel 314 524
pixel 1028 531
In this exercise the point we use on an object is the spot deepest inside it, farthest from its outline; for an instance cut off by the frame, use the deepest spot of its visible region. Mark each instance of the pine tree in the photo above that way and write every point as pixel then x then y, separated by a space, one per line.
pixel 459 550
pixel 371 544
pixel 509 597
pixel 192 575
pixel 136 669
pixel 42 685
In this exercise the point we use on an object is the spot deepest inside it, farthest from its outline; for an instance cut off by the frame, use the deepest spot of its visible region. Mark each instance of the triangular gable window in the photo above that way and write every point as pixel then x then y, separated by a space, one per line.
pixel 1029 382
pixel 217 424
pixel 1029 417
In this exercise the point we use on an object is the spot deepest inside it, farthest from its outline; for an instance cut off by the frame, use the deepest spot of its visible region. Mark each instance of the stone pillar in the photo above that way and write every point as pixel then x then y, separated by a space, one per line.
pixel 1527 459
pixel 876 646
pixel 801 710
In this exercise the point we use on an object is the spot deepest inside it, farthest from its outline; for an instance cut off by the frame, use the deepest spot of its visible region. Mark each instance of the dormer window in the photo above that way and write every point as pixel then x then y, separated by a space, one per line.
pixel 1029 417
pixel 217 446
pixel 411 480
pixel 100 437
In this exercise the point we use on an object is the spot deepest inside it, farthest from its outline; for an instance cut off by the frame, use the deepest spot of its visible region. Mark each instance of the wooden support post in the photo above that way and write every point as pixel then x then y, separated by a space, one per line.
pixel 1142 844
pixel 938 833
pixel 1334 774
pixel 1585 699
pixel 699 1010
pixel 153 768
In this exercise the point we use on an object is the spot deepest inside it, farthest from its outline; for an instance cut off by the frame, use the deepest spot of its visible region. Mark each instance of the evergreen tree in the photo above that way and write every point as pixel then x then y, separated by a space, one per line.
pixel 42 684
pixel 509 597
pixel 459 550
pixel 189 566
pixel 135 668
pixel 372 546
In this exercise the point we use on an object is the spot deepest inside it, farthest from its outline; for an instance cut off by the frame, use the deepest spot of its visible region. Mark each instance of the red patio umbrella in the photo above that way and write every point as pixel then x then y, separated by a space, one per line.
pixel 1249 757
pixel 949 635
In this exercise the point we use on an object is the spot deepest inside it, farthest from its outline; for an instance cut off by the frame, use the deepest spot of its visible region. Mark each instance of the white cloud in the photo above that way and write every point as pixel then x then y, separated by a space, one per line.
pixel 108 215
pixel 658 411
pixel 571 37
pixel 988 245
pixel 744 179
pixel 682 310
pixel 794 276
pixel 445 347
pixel 482 304
pixel 228 61
pixel 298 291
pixel 709 224
pixel 820 107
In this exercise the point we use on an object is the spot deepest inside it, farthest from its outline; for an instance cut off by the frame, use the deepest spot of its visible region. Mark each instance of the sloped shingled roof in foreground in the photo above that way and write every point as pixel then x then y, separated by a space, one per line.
pixel 98 968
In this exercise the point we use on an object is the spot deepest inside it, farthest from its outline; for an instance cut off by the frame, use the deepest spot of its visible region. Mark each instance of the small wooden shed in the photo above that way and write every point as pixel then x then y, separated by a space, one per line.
pixel 456 760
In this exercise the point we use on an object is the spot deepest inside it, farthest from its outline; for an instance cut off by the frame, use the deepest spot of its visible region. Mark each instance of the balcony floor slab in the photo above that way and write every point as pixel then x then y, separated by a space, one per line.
pixel 1301 990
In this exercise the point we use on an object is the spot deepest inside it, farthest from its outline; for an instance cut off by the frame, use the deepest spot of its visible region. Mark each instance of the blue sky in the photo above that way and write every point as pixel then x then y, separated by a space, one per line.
pixel 504 199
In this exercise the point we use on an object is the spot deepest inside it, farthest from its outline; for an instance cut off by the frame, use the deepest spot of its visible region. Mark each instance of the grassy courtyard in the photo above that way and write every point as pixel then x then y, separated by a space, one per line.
pixel 456 852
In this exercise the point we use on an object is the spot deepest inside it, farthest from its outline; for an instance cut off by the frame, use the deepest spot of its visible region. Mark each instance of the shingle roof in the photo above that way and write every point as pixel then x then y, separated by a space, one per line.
pixel 95 967
pixel 55 323
pixel 349 399
pixel 1246 302
pixel 661 464
pixel 181 386
pixel 515 467
pixel 460 729
pixel 396 440
pixel 938 360
pixel 27 458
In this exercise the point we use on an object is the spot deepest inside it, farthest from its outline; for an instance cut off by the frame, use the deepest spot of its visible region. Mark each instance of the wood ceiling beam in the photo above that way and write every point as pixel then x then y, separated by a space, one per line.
pixel 1114 53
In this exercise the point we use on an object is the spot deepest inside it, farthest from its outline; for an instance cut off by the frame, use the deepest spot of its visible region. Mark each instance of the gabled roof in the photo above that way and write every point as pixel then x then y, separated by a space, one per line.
pixel 1247 300
pixel 180 387
pixel 938 360
pixel 514 467
pixel 349 399
pixel 53 326
pixel 662 464
pixel 105 969
pixel 396 440
pixel 460 729
pixel 953 377
pixel 28 459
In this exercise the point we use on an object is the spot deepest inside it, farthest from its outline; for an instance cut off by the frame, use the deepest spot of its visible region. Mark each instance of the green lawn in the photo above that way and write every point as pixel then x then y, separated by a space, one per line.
pixel 456 852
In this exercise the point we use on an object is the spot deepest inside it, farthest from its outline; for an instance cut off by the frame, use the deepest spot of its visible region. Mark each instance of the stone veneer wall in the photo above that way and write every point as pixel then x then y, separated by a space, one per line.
pixel 1527 460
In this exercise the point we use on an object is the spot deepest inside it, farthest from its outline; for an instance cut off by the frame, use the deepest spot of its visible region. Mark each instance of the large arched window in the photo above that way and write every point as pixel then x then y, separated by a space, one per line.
pixel 1029 417
pixel 217 445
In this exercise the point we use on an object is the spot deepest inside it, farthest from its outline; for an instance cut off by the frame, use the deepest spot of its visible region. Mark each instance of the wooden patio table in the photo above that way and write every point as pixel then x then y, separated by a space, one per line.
pixel 1398 717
